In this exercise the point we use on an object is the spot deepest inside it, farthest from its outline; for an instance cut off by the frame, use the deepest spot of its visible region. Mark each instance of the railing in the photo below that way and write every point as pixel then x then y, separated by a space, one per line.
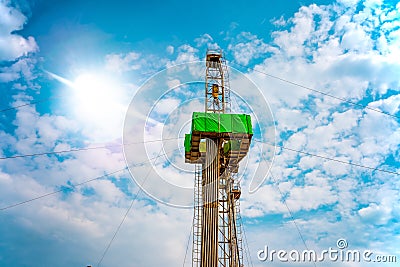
pixel 196 250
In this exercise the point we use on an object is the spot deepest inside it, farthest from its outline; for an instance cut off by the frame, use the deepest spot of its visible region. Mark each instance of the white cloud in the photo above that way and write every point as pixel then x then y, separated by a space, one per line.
pixel 279 22
pixel 172 84
pixel 170 49
pixel 310 197
pixel 12 45
pixel 302 30
pixel 185 53
pixel 204 39
pixel 266 200
pixel 7 76
pixel 22 68
pixel 390 105
pixel 207 41
pixel 247 47
pixel 336 54
pixel 356 39
pixel 291 119
pixel 123 62
pixel 349 3
pixel 320 54
pixel 373 3
pixel 375 214
pixel 165 106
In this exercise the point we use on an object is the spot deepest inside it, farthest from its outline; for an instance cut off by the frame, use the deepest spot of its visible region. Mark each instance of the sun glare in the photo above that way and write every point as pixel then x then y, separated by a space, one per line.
pixel 93 93
pixel 98 101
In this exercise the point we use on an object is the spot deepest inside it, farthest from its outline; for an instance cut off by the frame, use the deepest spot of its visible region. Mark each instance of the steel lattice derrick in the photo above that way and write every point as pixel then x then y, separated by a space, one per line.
pixel 216 153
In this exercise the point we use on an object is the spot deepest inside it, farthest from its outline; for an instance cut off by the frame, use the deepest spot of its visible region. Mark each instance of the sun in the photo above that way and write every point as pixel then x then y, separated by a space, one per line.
pixel 98 102
pixel 93 94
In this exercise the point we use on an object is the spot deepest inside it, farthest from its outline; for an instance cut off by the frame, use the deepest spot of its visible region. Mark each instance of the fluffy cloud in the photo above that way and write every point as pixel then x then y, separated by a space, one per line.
pixel 334 48
pixel 185 53
pixel 170 49
pixel 122 62
pixel 247 46
pixel 203 40
pixel 342 52
pixel 13 45
pixel 375 214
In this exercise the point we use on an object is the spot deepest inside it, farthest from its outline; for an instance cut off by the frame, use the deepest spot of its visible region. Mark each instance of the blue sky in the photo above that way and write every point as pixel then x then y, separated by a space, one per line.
pixel 87 60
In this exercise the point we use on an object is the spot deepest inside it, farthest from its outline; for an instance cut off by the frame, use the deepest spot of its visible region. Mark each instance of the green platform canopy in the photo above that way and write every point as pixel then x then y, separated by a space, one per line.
pixel 188 139
pixel 203 123
pixel 221 123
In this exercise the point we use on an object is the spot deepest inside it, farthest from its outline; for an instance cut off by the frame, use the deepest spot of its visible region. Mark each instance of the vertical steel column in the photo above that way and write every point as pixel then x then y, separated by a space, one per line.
pixel 216 234
pixel 233 248
pixel 197 216
pixel 215 100
pixel 224 240
pixel 239 230
pixel 209 244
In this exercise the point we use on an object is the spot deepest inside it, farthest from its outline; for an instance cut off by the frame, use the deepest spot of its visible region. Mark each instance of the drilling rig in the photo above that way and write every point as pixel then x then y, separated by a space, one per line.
pixel 218 141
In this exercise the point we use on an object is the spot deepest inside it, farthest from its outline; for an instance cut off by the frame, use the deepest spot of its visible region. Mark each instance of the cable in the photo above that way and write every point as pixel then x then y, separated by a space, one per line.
pixel 59 191
pixel 319 156
pixel 75 185
pixel 117 230
pixel 28 104
pixel 290 213
pixel 328 158
pixel 187 245
pixel 247 251
pixel 47 99
pixel 265 73
pixel 234 99
pixel 56 152
pixel 319 92
pixel 84 149
pixel 128 210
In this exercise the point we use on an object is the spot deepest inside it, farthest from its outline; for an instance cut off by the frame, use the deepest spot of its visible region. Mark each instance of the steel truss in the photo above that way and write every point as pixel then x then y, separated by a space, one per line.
pixel 217 233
